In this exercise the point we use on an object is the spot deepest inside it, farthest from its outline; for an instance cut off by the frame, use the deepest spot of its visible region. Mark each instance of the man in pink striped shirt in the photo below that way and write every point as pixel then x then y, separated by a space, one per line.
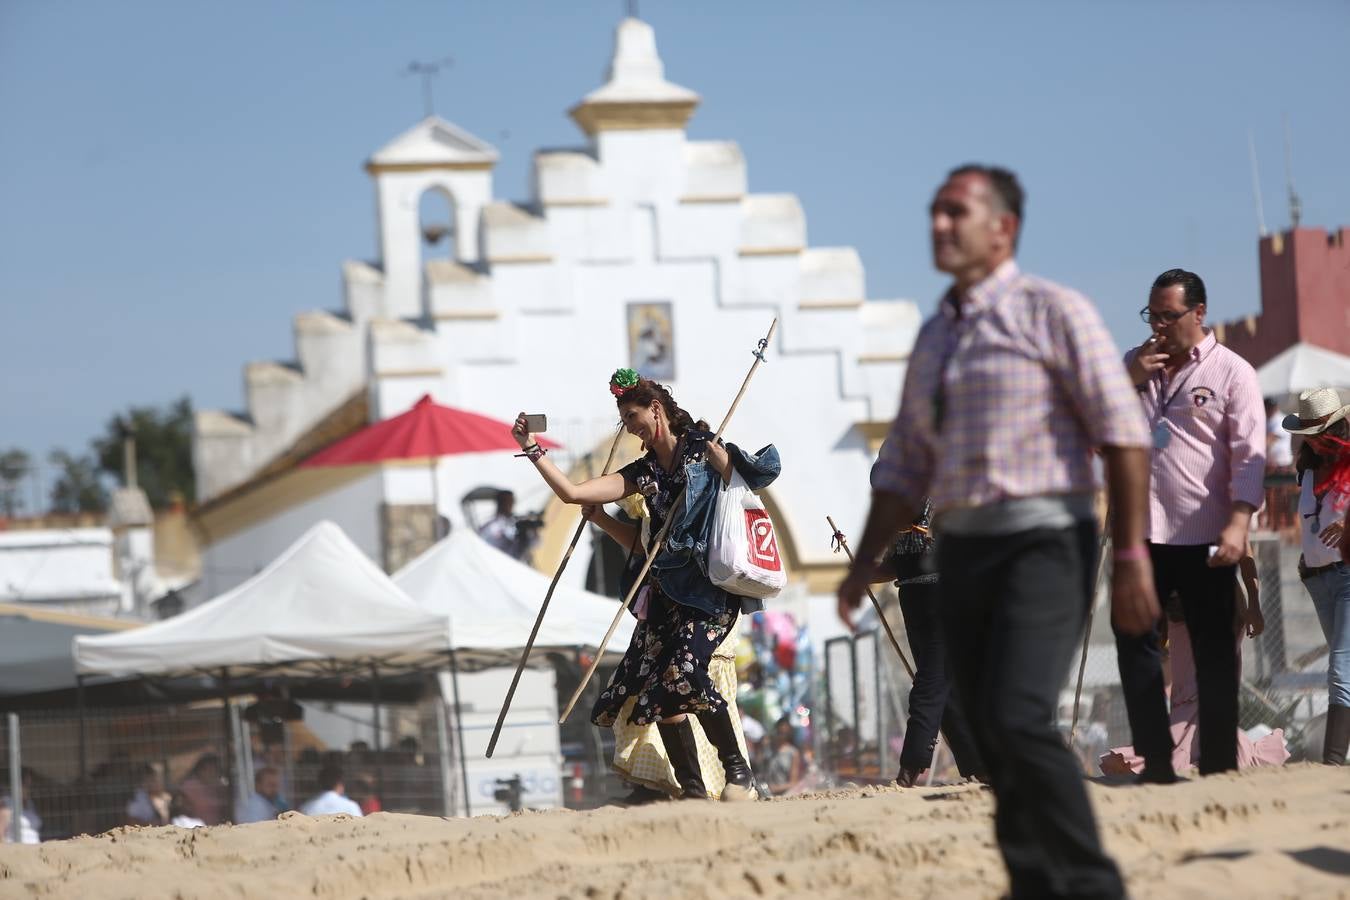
pixel 1207 421
pixel 1011 386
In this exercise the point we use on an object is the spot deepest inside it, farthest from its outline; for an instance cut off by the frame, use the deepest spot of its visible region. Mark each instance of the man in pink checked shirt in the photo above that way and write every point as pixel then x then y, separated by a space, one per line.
pixel 1207 424
pixel 1011 386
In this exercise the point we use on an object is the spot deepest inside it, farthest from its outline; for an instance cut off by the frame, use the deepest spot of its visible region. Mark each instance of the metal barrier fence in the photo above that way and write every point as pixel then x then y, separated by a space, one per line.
pixel 171 764
pixel 865 691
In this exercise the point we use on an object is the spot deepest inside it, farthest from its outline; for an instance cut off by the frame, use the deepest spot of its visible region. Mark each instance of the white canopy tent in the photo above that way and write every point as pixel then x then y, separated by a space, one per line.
pixel 1301 367
pixel 322 600
pixel 320 609
pixel 492 601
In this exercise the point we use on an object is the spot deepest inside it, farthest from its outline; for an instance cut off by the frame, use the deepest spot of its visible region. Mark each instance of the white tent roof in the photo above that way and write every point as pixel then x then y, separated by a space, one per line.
pixel 493 600
pixel 1301 367
pixel 321 599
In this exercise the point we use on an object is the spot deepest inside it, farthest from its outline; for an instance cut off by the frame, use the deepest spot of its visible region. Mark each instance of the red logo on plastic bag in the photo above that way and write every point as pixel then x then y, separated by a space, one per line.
pixel 763 544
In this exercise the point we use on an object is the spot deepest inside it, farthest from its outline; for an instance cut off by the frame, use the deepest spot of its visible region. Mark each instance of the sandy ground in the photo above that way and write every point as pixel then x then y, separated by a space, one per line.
pixel 1267 833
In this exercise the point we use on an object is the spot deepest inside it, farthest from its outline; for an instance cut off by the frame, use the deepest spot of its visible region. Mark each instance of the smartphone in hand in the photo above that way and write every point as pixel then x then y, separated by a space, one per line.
pixel 536 423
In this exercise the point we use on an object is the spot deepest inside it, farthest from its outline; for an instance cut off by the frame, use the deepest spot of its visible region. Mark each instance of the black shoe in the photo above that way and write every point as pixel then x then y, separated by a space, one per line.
pixel 908 777
pixel 682 751
pixel 1159 775
pixel 641 795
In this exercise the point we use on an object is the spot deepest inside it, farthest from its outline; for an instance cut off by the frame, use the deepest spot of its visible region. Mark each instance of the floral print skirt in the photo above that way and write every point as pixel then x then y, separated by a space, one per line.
pixel 666 664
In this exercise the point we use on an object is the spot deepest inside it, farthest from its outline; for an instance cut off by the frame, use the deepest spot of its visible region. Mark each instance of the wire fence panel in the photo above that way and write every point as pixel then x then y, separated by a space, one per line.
pixel 1282 689
pixel 205 763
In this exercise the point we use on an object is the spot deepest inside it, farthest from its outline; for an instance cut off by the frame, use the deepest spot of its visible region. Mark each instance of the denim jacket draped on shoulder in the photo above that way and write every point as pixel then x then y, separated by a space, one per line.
pixel 681 568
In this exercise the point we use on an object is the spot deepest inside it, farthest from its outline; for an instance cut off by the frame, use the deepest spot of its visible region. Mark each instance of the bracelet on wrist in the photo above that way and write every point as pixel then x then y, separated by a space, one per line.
pixel 1137 553
pixel 533 453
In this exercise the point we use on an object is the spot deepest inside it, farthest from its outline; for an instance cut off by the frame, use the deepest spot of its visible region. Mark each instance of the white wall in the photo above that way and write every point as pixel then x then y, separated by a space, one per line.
pixel 354 507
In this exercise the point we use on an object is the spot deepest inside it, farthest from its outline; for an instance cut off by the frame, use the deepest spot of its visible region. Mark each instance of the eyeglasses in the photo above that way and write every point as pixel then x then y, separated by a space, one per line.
pixel 1166 318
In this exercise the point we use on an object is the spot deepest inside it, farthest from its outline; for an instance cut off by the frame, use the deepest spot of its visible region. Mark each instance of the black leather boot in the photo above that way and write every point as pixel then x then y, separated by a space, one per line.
pixel 1337 735
pixel 682 751
pixel 641 795
pixel 722 735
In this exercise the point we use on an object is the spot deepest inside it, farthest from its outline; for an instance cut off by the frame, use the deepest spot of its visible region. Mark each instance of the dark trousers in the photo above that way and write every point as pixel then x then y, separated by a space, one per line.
pixel 1208 604
pixel 931 700
pixel 1014 607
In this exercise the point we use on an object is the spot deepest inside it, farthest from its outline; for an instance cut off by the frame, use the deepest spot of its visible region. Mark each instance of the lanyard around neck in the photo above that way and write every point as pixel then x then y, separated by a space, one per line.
pixel 1181 383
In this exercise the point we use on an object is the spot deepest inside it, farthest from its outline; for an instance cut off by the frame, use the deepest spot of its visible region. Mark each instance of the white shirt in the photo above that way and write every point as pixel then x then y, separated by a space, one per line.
pixel 1312 523
pixel 256 808
pixel 500 532
pixel 330 802
pixel 1280 452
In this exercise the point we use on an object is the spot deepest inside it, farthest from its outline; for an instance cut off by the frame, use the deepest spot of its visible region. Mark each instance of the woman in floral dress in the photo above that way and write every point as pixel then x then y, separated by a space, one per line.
pixel 683 617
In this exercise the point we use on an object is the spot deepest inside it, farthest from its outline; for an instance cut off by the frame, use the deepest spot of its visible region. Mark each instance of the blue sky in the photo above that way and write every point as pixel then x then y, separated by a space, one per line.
pixel 177 179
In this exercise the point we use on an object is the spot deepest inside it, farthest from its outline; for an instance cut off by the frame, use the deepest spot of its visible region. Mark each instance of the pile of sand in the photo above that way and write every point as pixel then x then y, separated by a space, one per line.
pixel 1268 833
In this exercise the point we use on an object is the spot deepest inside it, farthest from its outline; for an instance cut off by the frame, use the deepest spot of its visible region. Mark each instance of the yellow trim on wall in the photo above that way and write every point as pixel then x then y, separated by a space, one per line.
pixel 521 258
pixel 578 201
pixel 830 304
pixel 270 498
pixel 375 168
pixel 882 357
pixel 641 116
pixel 451 315
pixel 712 198
pixel 411 373
pixel 770 251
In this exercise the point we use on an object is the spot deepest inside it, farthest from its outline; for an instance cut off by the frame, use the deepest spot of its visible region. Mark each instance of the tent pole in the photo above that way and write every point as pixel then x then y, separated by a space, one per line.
pixel 228 723
pixel 435 501
pixel 459 730
pixel 379 747
pixel 84 756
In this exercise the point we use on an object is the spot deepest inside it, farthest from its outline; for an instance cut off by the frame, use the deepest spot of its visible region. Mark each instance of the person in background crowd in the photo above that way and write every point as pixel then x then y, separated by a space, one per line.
pixel 362 792
pixel 27 831
pixel 180 813
pixel 1205 414
pixel 931 701
pixel 1324 566
pixel 203 790
pixel 333 797
pixel 785 764
pixel 500 531
pixel 1279 443
pixel 264 804
pixel 149 805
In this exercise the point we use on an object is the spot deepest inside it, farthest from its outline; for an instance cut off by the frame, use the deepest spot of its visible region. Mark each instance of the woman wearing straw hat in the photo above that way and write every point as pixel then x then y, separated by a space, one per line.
pixel 1324 503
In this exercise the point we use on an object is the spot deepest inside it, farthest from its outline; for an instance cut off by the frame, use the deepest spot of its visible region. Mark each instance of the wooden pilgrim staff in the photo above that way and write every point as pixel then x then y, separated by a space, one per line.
pixel 539 620
pixel 665 528
pixel 841 543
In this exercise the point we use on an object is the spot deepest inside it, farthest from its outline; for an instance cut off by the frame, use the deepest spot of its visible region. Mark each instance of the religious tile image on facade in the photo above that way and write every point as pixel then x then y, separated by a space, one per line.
pixel 651 340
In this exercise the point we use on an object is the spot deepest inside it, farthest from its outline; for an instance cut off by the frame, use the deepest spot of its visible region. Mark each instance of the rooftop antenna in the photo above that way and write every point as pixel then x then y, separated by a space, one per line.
pixel 1256 185
pixel 428 71
pixel 1295 205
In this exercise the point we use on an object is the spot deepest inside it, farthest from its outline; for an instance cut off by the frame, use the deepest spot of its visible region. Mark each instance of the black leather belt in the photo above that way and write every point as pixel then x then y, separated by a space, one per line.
pixel 1304 572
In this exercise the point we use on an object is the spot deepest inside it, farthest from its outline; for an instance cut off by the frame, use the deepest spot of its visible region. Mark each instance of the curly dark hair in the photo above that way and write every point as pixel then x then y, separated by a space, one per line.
pixel 646 390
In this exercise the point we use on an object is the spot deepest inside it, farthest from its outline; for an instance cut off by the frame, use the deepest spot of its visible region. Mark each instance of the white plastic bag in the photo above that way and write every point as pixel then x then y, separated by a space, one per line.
pixel 743 554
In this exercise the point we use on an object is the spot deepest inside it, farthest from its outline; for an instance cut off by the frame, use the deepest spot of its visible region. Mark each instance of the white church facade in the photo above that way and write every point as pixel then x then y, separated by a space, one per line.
pixel 641 247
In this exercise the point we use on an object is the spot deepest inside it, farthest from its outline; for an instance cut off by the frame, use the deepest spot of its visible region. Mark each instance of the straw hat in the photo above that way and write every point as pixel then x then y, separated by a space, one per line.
pixel 1318 410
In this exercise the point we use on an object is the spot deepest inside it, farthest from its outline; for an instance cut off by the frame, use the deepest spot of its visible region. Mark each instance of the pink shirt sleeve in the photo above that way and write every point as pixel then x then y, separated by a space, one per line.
pixel 1246 414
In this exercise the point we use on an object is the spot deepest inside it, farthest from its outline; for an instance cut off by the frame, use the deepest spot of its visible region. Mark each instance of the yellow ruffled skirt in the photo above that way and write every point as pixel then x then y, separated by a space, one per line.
pixel 639 756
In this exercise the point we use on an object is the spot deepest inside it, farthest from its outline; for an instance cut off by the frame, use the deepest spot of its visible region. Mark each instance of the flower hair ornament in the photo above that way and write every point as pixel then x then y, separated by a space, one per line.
pixel 622 381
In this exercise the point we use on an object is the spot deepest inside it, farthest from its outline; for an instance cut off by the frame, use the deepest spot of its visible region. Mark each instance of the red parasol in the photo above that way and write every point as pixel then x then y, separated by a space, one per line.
pixel 427 431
